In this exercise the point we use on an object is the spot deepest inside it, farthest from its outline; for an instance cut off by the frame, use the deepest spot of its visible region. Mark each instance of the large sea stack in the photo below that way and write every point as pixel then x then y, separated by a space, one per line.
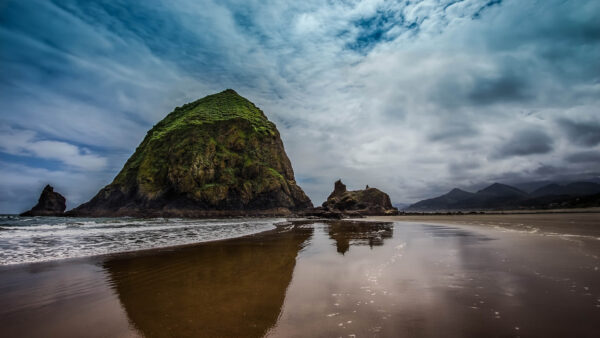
pixel 217 156
pixel 50 203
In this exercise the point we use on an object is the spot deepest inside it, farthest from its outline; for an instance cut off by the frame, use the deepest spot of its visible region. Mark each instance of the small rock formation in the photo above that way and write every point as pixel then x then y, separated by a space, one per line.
pixel 370 201
pixel 216 157
pixel 343 203
pixel 50 203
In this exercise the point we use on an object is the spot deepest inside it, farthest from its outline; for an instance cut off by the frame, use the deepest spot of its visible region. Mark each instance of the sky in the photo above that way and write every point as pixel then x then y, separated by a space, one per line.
pixel 412 97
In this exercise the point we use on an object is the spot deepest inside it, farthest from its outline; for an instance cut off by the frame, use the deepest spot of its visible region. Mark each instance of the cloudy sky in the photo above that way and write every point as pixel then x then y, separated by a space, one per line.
pixel 413 97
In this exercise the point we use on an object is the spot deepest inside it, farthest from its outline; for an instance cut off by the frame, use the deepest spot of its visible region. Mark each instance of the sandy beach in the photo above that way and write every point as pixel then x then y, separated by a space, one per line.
pixel 423 276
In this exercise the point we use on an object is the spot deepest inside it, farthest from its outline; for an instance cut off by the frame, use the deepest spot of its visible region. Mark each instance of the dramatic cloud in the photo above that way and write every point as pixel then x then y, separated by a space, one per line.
pixel 412 97
pixel 24 143
pixel 585 133
pixel 526 142
pixel 585 157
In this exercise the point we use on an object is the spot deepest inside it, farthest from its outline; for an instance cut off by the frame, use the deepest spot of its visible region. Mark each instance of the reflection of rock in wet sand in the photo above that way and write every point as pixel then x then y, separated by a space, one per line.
pixel 358 233
pixel 232 288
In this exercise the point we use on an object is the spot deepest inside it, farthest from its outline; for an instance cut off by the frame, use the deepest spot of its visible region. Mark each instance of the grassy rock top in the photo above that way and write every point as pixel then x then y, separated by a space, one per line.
pixel 225 105
pixel 195 131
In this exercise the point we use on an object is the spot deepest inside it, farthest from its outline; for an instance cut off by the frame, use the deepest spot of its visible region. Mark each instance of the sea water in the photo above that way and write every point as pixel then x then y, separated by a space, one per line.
pixel 38 239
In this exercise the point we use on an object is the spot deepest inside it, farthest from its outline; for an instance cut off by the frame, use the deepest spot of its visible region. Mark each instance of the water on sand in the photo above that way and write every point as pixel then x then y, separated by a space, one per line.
pixel 39 239
pixel 321 279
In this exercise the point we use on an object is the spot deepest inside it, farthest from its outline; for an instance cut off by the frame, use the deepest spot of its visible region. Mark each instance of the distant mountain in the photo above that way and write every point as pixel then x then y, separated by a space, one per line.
pixel 501 196
pixel 571 189
pixel 495 196
pixel 561 202
pixel 550 189
pixel 501 190
pixel 531 186
pixel 445 202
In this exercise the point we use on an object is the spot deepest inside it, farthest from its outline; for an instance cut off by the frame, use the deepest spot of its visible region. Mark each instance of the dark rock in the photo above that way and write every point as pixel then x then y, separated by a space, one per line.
pixel 339 189
pixel 370 201
pixel 321 212
pixel 50 203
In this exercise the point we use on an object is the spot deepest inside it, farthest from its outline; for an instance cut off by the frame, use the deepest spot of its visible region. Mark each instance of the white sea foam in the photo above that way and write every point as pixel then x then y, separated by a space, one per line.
pixel 29 240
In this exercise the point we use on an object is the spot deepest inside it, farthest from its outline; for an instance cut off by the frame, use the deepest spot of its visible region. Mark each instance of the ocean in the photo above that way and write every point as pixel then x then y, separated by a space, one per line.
pixel 39 239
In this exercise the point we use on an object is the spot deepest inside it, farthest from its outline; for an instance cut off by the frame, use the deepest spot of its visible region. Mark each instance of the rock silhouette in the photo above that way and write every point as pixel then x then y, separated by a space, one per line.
pixel 50 203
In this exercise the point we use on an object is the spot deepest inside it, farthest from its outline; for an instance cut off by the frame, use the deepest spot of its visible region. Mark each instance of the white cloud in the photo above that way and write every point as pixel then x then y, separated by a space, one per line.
pixel 25 143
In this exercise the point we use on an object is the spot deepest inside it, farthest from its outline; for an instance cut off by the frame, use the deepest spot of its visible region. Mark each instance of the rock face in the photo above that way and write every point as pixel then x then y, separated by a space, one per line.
pixel 370 201
pixel 50 203
pixel 217 156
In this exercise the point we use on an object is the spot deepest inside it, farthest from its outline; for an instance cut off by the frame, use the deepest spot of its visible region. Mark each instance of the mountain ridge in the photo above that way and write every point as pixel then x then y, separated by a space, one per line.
pixel 502 196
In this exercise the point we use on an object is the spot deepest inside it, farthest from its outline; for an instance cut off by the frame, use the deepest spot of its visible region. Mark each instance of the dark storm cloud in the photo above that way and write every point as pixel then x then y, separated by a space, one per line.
pixel 584 157
pixel 526 142
pixel 547 170
pixel 463 167
pixel 505 89
pixel 584 133
pixel 507 83
pixel 453 129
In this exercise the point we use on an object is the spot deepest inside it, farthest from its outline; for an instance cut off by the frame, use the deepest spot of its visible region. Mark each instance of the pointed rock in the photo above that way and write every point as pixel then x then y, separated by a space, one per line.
pixel 339 189
pixel 50 203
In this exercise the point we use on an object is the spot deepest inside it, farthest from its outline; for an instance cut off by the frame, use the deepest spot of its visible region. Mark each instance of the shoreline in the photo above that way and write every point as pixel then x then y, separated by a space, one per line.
pixel 581 227
pixel 98 258
pixel 485 220
pixel 585 218
pixel 506 220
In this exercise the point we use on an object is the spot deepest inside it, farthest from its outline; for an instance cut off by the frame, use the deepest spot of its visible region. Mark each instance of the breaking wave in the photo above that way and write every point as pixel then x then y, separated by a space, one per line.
pixel 38 239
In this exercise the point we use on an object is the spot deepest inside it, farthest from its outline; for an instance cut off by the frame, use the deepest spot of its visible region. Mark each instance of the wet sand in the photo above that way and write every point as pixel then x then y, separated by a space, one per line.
pixel 583 228
pixel 584 223
pixel 313 279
